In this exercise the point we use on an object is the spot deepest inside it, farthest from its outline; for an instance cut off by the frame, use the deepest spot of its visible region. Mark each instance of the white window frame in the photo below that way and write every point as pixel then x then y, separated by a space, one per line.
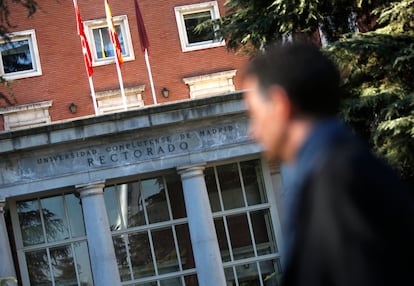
pixel 29 35
pixel 180 11
pixel 22 250
pixel 121 21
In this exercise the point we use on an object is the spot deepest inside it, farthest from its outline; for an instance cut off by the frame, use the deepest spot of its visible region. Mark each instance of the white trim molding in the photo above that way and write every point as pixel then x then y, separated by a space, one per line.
pixel 181 11
pixel 36 69
pixel 26 115
pixel 211 84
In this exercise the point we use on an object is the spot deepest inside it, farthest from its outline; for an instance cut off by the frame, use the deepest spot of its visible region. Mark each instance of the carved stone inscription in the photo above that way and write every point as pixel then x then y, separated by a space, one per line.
pixel 134 150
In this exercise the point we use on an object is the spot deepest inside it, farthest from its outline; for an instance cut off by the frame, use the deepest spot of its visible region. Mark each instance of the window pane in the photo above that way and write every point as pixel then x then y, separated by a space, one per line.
pixel 122 257
pixel 271 272
pixel 54 219
pixel 63 266
pixel 83 264
pixel 38 267
pixel 184 243
pixel 212 189
pixel 165 252
pixel 171 282
pixel 229 273
pixel 191 280
pixel 222 239
pixel 135 208
pixel 252 179
pixel 175 192
pixel 191 21
pixel 141 257
pixel 30 222
pixel 155 200
pixel 112 208
pixel 248 275
pixel 263 234
pixel 240 236
pixel 75 215
pixel 231 191
pixel 16 56
pixel 103 44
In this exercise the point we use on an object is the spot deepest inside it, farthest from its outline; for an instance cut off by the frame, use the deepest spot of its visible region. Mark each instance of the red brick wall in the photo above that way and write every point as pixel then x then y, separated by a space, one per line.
pixel 64 78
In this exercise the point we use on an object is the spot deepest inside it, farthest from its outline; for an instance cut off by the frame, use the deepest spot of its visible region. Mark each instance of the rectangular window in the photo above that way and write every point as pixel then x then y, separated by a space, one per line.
pixel 100 43
pixel 51 241
pixel 150 232
pixel 19 55
pixel 189 17
pixel 151 237
pixel 243 223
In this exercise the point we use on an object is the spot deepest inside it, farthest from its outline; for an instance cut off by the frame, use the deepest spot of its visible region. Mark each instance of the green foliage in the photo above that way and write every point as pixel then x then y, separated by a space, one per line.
pixel 378 72
pixel 251 25
pixel 377 66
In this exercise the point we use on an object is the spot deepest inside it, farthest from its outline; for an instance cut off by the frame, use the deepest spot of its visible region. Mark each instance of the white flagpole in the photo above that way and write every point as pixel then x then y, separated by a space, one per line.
pixel 154 97
pixel 95 105
pixel 121 83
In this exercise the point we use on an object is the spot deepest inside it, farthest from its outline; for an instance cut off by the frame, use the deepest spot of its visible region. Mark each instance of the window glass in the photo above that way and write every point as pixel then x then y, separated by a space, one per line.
pixel 30 222
pixel 231 191
pixel 263 234
pixel 188 17
pixel 53 263
pixel 176 281
pixel 63 265
pixel 252 179
pixel 54 218
pixel 103 45
pixel 141 255
pixel 16 56
pixel 120 246
pixel 155 199
pixel 165 252
pixel 75 215
pixel 271 272
pixel 222 239
pixel 99 39
pixel 38 267
pixel 83 264
pixel 191 280
pixel 212 190
pixel 112 208
pixel 175 192
pixel 240 236
pixel 185 248
pixel 135 209
pixel 248 275
pixel 191 21
pixel 19 55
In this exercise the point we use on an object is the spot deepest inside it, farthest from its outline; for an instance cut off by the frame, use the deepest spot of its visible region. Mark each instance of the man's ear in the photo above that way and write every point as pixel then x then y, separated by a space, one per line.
pixel 280 101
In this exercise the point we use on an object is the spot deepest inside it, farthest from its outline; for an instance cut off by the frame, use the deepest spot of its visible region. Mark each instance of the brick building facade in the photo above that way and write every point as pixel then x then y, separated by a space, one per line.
pixel 173 193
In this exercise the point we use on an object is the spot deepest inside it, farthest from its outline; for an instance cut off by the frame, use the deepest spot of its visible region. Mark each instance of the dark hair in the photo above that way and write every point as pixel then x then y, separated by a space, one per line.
pixel 310 78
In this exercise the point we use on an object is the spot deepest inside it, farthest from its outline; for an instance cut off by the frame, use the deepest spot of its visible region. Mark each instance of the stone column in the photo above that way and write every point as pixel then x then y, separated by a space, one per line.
pixel 202 232
pixel 6 258
pixel 101 249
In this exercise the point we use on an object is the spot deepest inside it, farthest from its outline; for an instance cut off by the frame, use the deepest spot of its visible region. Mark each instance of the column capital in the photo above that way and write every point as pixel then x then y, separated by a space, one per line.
pixel 90 189
pixel 187 172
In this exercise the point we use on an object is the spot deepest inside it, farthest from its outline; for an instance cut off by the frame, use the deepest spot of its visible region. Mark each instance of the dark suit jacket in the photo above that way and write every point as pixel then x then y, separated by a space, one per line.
pixel 352 222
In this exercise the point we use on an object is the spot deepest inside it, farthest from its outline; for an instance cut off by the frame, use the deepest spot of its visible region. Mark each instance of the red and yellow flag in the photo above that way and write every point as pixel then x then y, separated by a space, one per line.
pixel 84 42
pixel 112 34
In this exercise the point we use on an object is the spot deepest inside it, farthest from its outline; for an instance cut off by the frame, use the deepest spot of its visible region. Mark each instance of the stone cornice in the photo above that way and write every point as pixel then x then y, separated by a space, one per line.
pixel 147 117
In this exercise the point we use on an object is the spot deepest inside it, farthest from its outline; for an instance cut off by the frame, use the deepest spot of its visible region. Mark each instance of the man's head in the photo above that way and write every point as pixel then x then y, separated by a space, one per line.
pixel 287 84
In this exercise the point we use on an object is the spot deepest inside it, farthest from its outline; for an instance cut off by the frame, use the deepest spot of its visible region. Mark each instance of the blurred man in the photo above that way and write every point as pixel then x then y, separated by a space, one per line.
pixel 349 219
